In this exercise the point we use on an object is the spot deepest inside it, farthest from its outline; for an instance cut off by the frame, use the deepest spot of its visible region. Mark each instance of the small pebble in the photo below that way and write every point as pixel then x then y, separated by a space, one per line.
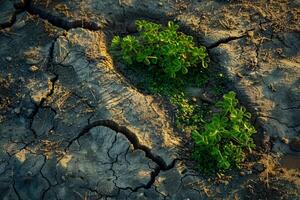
pixel 284 140
pixel 250 34
pixel 242 173
pixel 160 3
pixel 34 68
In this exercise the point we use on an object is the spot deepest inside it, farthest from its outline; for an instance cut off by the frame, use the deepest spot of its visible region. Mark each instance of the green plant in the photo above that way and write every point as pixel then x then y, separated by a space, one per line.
pixel 222 142
pixel 188 115
pixel 163 52
pixel 163 49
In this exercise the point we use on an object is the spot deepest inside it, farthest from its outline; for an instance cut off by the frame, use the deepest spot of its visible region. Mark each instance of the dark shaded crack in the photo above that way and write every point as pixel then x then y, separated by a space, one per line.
pixel 148 185
pixel 281 122
pixel 125 155
pixel 161 165
pixel 26 145
pixel 47 180
pixel 110 148
pixel 50 92
pixel 19 8
pixel 165 196
pixel 291 108
pixel 15 189
pixel 225 40
pixel 153 175
pixel 59 21
pixel 130 136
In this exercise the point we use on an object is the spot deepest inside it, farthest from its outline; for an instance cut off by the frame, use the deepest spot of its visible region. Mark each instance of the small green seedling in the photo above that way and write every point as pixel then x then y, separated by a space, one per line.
pixel 162 49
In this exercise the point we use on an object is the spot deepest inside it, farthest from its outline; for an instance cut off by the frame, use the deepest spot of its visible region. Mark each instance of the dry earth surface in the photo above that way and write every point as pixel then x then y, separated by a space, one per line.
pixel 73 127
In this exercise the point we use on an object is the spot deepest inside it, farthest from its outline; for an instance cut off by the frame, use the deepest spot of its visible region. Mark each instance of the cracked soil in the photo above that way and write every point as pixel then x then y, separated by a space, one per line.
pixel 73 127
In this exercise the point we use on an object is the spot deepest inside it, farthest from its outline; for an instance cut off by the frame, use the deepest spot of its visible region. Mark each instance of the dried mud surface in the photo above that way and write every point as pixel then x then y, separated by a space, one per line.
pixel 72 127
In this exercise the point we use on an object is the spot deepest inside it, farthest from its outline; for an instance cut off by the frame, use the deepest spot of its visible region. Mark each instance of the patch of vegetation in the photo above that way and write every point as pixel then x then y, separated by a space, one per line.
pixel 189 115
pixel 162 49
pixel 168 62
pixel 220 144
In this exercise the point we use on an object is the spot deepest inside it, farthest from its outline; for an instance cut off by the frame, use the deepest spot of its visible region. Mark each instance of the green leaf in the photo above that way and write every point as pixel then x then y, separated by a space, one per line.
pixel 115 41
pixel 184 70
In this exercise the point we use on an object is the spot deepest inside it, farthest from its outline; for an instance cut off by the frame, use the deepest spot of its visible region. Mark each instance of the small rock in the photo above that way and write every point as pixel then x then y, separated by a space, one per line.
pixel 284 140
pixel 242 174
pixel 259 167
pixel 34 68
pixel 8 58
pixel 160 3
pixel 295 145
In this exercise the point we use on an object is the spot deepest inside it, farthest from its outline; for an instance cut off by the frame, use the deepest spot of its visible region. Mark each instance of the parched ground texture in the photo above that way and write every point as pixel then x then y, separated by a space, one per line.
pixel 72 127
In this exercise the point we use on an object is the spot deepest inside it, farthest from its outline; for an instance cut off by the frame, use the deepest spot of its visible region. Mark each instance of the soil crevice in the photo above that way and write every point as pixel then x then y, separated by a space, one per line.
pixel 130 136
pixel 59 21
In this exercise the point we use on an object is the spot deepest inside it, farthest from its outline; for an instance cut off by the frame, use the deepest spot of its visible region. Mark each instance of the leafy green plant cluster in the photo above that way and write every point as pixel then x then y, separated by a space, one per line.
pixel 163 52
pixel 222 141
pixel 163 49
